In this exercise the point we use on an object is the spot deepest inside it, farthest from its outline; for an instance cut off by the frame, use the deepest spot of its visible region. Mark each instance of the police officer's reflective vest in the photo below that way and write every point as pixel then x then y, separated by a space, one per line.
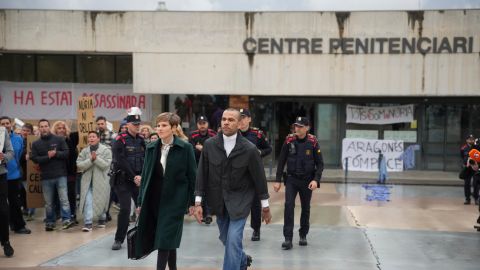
pixel 301 160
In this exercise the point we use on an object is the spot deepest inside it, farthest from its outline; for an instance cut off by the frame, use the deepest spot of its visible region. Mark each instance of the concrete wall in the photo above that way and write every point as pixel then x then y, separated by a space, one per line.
pixel 201 52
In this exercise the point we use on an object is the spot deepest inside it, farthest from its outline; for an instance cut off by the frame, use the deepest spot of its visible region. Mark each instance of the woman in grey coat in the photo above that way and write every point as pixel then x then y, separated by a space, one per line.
pixel 94 162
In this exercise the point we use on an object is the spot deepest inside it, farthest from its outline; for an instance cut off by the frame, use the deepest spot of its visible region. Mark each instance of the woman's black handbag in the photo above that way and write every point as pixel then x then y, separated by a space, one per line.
pixel 131 244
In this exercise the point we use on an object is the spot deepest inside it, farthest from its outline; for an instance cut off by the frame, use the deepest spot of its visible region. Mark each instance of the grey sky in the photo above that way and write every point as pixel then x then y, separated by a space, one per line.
pixel 242 5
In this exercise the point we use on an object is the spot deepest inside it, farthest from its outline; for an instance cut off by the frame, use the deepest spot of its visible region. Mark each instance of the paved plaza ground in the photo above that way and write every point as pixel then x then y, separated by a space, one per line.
pixel 353 226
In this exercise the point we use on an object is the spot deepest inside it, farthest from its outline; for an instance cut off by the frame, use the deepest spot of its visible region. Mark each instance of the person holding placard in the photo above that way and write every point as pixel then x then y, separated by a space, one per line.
pixel 6 154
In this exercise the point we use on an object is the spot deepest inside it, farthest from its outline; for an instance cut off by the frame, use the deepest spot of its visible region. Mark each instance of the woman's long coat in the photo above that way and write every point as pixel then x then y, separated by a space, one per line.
pixel 95 173
pixel 176 196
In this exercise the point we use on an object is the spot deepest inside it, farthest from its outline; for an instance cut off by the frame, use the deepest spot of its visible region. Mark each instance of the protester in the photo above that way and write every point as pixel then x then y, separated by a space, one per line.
pixel 14 179
pixel 62 129
pixel 94 164
pixel 179 133
pixel 168 182
pixel 154 137
pixel 230 173
pixel 145 131
pixel 27 130
pixel 106 136
pixel 51 153
pixel 6 155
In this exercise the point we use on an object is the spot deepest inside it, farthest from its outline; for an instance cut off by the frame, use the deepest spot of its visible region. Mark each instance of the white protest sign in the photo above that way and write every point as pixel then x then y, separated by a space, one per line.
pixel 380 115
pixel 363 154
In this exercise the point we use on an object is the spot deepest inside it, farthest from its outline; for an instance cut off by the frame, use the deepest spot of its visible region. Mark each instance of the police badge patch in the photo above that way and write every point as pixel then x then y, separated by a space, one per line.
pixel 308 152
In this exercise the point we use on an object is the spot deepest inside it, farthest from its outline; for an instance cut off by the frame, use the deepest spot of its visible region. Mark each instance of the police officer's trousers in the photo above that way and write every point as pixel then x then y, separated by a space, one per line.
pixel 126 191
pixel 292 187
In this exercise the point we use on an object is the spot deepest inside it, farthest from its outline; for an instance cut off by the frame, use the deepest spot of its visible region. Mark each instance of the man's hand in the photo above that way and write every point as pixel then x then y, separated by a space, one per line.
pixel 137 179
pixel 2 156
pixel 199 147
pixel 313 185
pixel 198 213
pixel 266 215
pixel 93 156
pixel 277 186
pixel 138 210
pixel 52 153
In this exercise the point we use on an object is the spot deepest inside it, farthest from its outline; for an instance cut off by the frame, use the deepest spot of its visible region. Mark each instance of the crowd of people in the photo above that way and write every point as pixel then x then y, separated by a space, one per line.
pixel 162 174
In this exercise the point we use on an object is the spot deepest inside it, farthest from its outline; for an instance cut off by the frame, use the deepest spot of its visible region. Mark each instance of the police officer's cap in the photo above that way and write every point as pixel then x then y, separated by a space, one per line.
pixel 202 118
pixel 134 115
pixel 302 121
pixel 245 112
pixel 470 136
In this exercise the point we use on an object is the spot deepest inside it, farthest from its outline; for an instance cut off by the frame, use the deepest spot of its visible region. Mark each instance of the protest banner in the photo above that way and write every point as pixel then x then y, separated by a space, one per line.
pixel 85 120
pixel 380 115
pixel 362 154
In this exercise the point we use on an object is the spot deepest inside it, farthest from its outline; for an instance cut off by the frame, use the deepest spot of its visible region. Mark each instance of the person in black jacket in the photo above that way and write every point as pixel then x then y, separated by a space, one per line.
pixel 304 162
pixel 61 128
pixel 468 176
pixel 197 139
pixel 229 175
pixel 51 153
pixel 257 137
pixel 128 156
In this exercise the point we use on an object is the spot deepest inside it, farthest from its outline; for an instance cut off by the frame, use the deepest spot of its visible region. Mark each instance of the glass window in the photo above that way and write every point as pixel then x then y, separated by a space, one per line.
pixel 327 133
pixel 55 68
pixel 95 69
pixel 123 69
pixel 17 67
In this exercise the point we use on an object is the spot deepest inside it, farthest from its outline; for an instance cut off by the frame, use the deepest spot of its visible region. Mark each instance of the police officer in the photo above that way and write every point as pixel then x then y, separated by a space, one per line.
pixel 200 135
pixel 128 154
pixel 197 138
pixel 257 137
pixel 304 162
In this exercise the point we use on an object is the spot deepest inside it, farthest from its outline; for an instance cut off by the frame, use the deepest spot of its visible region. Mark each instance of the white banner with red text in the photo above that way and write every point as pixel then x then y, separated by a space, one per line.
pixel 59 100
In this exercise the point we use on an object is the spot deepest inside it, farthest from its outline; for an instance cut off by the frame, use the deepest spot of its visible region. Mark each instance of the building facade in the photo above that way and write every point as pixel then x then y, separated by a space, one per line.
pixel 279 64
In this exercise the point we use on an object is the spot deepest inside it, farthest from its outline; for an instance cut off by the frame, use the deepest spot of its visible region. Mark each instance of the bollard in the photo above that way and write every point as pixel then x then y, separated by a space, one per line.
pixel 346 169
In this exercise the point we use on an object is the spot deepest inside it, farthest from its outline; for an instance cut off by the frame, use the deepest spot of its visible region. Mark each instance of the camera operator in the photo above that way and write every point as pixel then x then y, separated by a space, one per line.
pixel 467 171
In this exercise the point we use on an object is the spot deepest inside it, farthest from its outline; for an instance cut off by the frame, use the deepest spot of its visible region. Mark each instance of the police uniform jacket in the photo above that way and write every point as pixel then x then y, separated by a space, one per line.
pixel 231 181
pixel 197 138
pixel 128 154
pixel 257 137
pixel 303 159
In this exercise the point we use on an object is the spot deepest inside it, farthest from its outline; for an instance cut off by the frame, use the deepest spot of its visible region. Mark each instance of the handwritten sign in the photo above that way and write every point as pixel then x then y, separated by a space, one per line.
pixel 362 154
pixel 380 115
pixel 85 120
pixel 34 184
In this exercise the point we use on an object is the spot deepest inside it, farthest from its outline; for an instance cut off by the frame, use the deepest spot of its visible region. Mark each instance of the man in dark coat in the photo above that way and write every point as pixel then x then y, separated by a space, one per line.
pixel 230 174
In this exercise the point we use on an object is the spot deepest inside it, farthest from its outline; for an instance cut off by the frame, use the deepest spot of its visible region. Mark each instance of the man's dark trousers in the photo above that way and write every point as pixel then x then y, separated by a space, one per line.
pixel 16 215
pixel 126 191
pixel 4 215
pixel 293 186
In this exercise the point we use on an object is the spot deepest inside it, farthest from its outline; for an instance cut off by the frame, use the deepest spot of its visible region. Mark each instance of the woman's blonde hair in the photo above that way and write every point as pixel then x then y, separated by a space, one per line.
pixel 56 124
pixel 150 129
pixel 179 132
